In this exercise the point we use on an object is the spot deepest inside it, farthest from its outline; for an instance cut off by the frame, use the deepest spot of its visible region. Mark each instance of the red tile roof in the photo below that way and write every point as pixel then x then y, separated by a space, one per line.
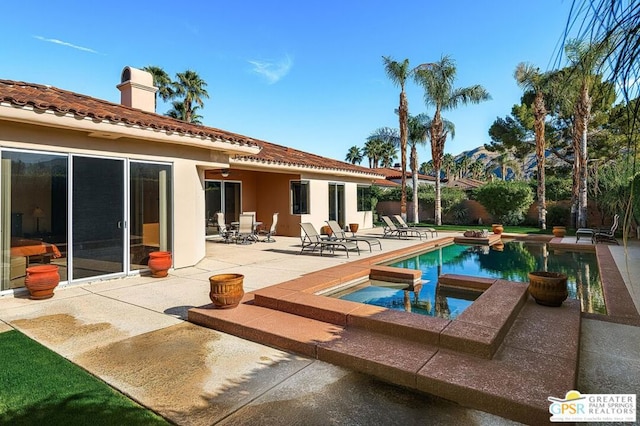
pixel 284 156
pixel 48 98
pixel 390 173
pixel 465 183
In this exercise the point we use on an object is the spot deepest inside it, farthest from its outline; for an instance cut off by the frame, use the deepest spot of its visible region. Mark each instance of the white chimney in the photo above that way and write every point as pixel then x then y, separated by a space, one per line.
pixel 137 90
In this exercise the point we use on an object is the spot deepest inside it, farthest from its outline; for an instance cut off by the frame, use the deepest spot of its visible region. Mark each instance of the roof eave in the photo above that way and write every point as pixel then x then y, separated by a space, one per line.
pixel 109 130
pixel 283 167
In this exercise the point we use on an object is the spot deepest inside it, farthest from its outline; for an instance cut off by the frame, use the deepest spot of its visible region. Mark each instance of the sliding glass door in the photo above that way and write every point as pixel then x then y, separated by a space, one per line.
pixel 336 203
pixel 221 197
pixel 98 221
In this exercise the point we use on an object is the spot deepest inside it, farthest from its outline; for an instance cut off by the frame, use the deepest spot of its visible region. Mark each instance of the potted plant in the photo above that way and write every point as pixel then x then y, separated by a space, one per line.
pixel 497 228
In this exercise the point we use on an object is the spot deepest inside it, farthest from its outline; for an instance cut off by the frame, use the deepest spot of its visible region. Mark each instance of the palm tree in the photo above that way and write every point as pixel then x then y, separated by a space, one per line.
pixel 448 163
pixel 192 88
pixel 418 127
pixel 476 169
pixel 584 58
pixel 530 79
pixel 426 168
pixel 178 112
pixel 162 81
pixel 437 79
pixel 354 155
pixel 398 72
pixel 383 141
pixel 463 164
pixel 372 151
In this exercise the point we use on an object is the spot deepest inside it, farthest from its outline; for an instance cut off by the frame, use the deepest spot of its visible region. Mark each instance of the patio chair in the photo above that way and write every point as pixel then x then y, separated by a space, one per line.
pixel 245 229
pixel 422 229
pixel 339 235
pixel 390 229
pixel 312 240
pixel 272 230
pixel 608 236
pixel 224 231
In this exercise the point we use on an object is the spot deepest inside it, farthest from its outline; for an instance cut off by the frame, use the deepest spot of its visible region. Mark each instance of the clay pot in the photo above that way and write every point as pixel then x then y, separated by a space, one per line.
pixel 497 228
pixel 353 227
pixel 226 290
pixel 41 280
pixel 159 263
pixel 548 288
pixel 326 230
pixel 559 231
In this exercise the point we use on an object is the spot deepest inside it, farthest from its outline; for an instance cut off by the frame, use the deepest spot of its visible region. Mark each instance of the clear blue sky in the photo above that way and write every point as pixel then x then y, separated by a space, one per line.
pixel 306 74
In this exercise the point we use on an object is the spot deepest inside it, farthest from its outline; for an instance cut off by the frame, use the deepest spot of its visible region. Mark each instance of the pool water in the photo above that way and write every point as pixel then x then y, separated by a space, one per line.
pixel 512 262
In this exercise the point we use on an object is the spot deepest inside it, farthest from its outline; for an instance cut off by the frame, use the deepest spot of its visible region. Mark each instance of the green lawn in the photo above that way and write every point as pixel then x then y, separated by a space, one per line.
pixel 38 386
pixel 507 229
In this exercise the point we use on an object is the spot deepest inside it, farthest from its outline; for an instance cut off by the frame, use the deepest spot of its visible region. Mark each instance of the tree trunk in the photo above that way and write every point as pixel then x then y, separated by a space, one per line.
pixel 575 176
pixel 540 112
pixel 403 114
pixel 437 148
pixel 584 106
pixel 414 179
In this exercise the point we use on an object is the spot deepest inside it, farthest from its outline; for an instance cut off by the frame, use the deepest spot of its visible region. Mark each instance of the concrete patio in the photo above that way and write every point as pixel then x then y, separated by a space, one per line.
pixel 132 333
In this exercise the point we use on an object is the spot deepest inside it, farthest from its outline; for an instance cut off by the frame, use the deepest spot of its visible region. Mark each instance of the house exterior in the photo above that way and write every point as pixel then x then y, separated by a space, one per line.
pixel 94 187
pixel 395 175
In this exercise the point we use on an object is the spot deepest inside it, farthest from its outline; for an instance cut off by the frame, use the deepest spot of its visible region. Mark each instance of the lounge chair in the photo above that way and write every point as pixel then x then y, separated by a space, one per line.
pixel 224 231
pixel 608 236
pixel 272 230
pixel 245 229
pixel 339 235
pixel 390 229
pixel 422 229
pixel 312 240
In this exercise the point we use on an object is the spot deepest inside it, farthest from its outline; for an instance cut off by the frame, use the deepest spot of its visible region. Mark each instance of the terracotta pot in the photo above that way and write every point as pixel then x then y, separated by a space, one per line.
pixel 559 231
pixel 326 230
pixel 41 280
pixel 159 263
pixel 353 227
pixel 548 288
pixel 497 228
pixel 226 290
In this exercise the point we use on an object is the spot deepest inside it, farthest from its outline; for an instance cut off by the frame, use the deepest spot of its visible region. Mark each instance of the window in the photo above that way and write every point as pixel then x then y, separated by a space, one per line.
pixel 299 197
pixel 364 198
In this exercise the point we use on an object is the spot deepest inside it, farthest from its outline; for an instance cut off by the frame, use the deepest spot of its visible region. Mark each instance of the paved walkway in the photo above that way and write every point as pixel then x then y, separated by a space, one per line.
pixel 132 333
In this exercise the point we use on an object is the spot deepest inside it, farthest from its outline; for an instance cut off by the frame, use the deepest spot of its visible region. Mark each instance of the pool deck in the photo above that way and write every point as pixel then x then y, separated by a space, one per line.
pixel 132 334
pixel 475 360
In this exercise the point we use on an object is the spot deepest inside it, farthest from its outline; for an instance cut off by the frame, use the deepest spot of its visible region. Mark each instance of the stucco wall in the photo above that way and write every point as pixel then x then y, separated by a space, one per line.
pixel 187 182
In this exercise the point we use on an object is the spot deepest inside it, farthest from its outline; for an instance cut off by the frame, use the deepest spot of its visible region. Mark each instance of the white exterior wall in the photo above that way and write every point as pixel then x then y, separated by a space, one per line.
pixel 319 200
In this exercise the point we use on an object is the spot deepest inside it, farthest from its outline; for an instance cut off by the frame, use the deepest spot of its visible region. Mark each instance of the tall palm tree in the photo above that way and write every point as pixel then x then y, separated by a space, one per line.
pixel 398 72
pixel 463 164
pixel 530 79
pixel 437 79
pixel 418 127
pixel 585 59
pixel 354 155
pixel 191 88
pixel 162 81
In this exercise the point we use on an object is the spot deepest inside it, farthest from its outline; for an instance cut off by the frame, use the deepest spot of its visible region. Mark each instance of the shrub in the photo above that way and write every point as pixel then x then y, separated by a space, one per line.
pixel 506 201
pixel 558 215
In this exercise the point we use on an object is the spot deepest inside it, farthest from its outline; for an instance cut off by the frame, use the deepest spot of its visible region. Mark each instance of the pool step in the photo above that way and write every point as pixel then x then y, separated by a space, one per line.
pixel 479 330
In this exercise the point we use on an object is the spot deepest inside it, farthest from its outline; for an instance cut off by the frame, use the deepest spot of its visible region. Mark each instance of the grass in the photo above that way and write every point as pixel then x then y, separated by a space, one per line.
pixel 507 229
pixel 38 386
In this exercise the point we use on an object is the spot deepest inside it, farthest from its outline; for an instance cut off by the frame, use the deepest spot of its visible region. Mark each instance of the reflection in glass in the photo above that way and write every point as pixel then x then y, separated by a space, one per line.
pixel 34 209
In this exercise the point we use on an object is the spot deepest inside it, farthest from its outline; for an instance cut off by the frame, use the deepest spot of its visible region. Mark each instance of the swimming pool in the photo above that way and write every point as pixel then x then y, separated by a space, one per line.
pixel 512 261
